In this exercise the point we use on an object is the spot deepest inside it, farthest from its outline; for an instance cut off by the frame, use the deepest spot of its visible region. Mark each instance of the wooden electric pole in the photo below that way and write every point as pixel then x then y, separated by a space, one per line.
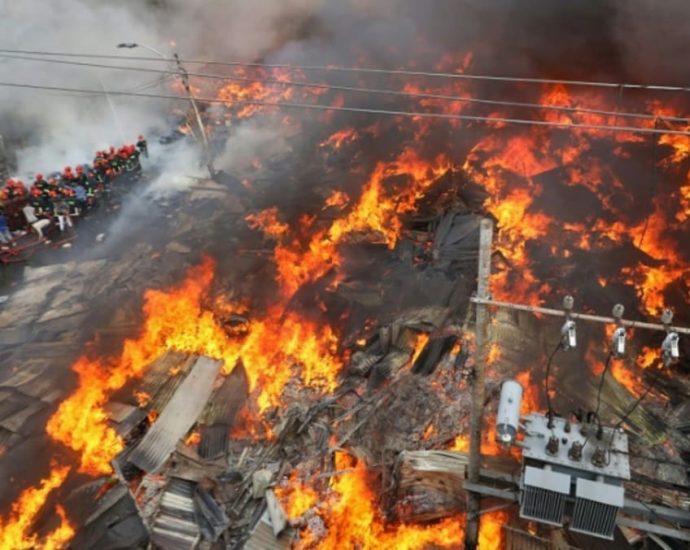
pixel 184 76
pixel 486 230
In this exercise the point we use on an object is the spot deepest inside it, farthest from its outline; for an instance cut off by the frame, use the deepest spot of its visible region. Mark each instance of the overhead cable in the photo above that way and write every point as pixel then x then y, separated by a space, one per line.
pixel 335 68
pixel 357 89
pixel 366 110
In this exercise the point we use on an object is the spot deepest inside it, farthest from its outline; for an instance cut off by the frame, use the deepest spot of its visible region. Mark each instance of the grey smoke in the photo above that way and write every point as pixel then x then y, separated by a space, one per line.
pixel 638 40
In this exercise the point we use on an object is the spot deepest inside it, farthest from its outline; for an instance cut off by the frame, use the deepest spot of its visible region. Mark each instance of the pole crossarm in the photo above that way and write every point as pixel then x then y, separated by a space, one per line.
pixel 583 316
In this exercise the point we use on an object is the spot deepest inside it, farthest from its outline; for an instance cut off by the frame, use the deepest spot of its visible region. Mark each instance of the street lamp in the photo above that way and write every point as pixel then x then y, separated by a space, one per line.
pixel 184 77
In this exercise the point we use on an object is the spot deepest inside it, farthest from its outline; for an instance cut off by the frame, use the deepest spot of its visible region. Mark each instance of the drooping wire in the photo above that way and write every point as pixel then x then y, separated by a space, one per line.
pixel 546 381
pixel 595 414
pixel 359 89
pixel 601 382
pixel 624 418
pixel 365 110
pixel 370 70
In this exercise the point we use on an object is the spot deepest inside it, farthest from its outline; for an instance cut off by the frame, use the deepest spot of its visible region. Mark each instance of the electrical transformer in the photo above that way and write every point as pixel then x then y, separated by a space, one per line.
pixel 573 470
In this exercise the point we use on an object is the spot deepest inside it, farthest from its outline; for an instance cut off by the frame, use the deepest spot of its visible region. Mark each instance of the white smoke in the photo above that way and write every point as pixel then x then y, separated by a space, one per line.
pixel 51 129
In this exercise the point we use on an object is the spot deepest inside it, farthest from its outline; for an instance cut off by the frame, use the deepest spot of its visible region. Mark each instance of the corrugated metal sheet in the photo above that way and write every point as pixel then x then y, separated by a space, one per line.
pixel 175 526
pixel 517 539
pixel 262 538
pixel 164 384
pixel 227 399
pixel 178 417
pixel 214 441
pixel 212 518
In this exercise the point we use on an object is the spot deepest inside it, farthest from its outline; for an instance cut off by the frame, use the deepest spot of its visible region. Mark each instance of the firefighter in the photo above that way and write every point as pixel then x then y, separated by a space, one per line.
pixel 72 202
pixel 40 183
pixel 14 189
pixel 67 176
pixel 36 198
pixel 143 146
pixel 61 208
pixel 132 164
pixel 19 189
pixel 115 162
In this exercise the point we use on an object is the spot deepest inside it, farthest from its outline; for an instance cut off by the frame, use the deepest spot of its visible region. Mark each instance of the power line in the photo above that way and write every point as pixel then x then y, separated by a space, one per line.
pixel 372 111
pixel 357 89
pixel 333 68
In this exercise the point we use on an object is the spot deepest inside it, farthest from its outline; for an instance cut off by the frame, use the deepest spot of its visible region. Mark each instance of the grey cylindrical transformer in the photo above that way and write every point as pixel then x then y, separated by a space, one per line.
pixel 508 416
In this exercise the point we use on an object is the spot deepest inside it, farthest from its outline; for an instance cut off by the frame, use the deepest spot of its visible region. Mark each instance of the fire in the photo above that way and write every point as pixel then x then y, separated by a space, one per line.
pixel 15 530
pixel 376 212
pixel 143 398
pixel 340 138
pixel 494 354
pixel 337 199
pixel 268 222
pixel 461 443
pixel 276 347
pixel 428 432
pixel 491 530
pixel 193 439
pixel 421 340
pixel 353 520
pixel 530 399
pixel 57 539
pixel 648 357
pixel 296 497
pixel 625 376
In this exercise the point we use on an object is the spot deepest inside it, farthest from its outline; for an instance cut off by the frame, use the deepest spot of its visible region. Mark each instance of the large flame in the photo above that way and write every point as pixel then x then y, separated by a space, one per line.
pixel 353 520
pixel 16 530
pixel 313 251
pixel 276 347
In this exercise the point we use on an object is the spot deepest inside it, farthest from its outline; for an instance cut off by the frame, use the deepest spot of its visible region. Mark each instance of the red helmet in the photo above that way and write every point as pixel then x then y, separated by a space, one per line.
pixel 35 191
pixel 52 193
pixel 39 177
pixel 9 182
pixel 68 168
pixel 80 169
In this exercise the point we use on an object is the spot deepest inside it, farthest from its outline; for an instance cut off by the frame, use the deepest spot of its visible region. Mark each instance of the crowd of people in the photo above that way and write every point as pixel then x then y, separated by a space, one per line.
pixel 62 196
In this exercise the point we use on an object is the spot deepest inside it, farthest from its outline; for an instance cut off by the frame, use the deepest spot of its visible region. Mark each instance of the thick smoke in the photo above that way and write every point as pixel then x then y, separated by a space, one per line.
pixel 589 39
pixel 51 129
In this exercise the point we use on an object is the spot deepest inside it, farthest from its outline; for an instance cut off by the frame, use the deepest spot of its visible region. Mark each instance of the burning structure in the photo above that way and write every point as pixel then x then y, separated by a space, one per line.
pixel 286 361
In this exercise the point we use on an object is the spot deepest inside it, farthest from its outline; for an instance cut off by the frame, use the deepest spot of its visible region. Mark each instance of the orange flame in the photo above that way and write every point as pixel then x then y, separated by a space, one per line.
pixel 15 530
pixel 340 138
pixel 296 497
pixel 193 439
pixel 337 199
pixel 376 212
pixel 276 348
pixel 491 530
pixel 268 222
pixel 421 340
pixel 353 521
pixel 59 538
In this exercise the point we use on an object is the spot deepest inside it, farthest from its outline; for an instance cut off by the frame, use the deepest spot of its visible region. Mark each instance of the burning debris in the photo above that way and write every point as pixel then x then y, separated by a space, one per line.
pixel 298 373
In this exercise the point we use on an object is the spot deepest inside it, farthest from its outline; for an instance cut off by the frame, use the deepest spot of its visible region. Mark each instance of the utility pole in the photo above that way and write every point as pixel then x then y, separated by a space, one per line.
pixel 202 130
pixel 486 229
pixel 184 77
